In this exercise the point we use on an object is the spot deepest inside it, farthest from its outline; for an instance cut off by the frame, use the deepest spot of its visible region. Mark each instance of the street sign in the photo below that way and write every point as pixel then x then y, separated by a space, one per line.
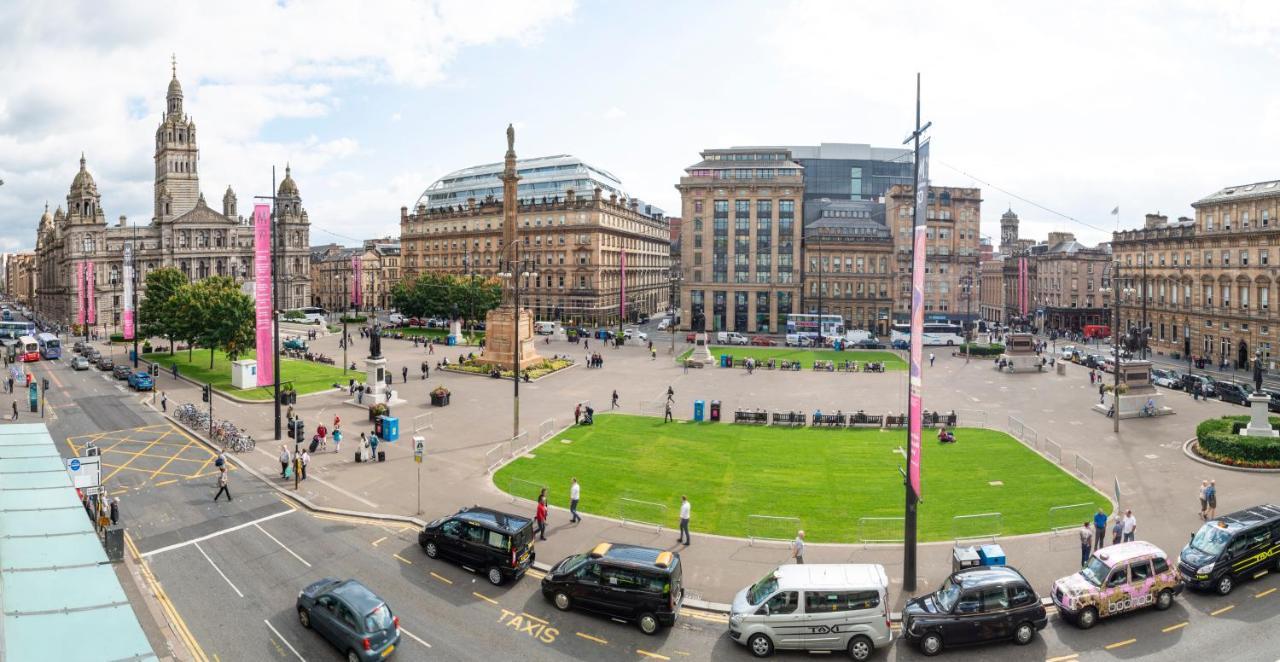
pixel 85 471
pixel 419 446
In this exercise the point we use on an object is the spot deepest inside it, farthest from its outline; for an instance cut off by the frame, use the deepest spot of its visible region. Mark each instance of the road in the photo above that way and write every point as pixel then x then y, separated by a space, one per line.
pixel 232 571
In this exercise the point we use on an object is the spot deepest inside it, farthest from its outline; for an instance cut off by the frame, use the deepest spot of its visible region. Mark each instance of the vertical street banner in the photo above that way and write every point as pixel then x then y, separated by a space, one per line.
pixel 90 295
pixel 355 281
pixel 128 292
pixel 919 246
pixel 622 290
pixel 1022 285
pixel 80 293
pixel 263 305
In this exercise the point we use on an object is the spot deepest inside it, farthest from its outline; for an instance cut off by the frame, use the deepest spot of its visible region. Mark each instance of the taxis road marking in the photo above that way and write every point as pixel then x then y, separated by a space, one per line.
pixel 1171 628
pixel 1118 644
pixel 284 641
pixel 171 611
pixel 408 562
pixel 375 543
pixel 443 579
pixel 652 655
pixel 1223 610
pixel 1064 658
pixel 704 617
pixel 535 574
pixel 532 617
pixel 588 637
pixel 414 637
pixel 1265 593
pixel 485 598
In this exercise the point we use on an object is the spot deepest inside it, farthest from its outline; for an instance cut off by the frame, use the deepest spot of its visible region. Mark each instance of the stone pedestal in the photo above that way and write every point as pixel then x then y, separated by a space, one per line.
pixel 702 350
pixel 1259 425
pixel 501 325
pixel 1136 376
pixel 375 375
pixel 1020 354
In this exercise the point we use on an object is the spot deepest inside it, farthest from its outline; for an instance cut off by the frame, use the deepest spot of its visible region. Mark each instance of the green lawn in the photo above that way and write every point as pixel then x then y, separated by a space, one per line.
pixel 307 377
pixel 805 356
pixel 827 478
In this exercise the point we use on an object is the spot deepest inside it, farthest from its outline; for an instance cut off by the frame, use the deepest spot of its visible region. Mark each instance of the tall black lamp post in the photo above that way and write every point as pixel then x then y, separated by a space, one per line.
pixel 514 270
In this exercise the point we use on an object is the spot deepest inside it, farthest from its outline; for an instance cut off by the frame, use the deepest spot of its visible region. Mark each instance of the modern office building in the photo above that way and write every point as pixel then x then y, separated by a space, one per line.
pixel 852 171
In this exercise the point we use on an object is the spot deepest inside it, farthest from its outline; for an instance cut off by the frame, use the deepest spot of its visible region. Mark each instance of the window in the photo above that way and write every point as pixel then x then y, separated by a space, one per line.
pixel 1140 570
pixel 1161 566
pixel 1226 258
pixel 817 602
pixel 995 598
pixel 452 528
pixel 1118 577
pixel 1262 256
pixel 969 603
pixel 1244 258
pixel 782 603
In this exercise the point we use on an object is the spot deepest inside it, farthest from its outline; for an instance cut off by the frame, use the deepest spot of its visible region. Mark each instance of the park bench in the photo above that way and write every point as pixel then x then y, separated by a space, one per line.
pixel 751 416
pixel 789 418
pixel 892 421
pixel 836 420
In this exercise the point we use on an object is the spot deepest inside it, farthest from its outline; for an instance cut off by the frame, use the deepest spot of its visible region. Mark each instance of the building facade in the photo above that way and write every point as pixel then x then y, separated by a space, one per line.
pixel 1069 288
pixel 20 277
pixel 333 275
pixel 953 219
pixel 991 301
pixel 848 256
pixel 184 233
pixel 740 240
pixel 852 171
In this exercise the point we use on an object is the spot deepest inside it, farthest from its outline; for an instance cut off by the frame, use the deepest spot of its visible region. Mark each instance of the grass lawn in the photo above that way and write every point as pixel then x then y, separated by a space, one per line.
pixel 827 478
pixel 806 357
pixel 307 377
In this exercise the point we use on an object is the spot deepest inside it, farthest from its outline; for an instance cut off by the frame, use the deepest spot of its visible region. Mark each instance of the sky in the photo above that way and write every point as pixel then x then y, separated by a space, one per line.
pixel 1060 111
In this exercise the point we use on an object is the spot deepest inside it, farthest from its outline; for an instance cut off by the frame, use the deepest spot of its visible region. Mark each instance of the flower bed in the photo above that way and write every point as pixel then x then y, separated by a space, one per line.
pixel 1218 441
pixel 534 371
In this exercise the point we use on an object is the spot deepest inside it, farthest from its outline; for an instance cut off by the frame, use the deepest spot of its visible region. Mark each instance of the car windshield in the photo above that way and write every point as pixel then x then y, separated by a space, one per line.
pixel 574 562
pixel 947 595
pixel 762 589
pixel 1211 539
pixel 1095 571
pixel 378 619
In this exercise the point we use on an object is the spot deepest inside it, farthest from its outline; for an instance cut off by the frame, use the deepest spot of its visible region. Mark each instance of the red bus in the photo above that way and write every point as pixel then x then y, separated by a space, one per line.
pixel 1097 331
pixel 28 349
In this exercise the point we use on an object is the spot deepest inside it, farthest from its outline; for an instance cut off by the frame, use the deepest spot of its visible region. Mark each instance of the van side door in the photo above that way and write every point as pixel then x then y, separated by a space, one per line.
pixel 1257 545
pixel 783 620
pixel 831 616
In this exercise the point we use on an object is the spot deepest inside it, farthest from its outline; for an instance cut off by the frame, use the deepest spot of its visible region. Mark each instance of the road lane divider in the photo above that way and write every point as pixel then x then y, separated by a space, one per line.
pixel 1222 610
pixel 414 637
pixel 218 570
pixel 1119 644
pixel 1265 593
pixel 588 637
pixel 1063 658
pixel 654 656
pixel 1177 626
pixel 440 577
pixel 485 598
pixel 404 560
pixel 284 641
pixel 282 545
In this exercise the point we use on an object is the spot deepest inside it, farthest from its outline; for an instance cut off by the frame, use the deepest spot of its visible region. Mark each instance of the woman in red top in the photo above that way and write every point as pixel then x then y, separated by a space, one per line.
pixel 541 518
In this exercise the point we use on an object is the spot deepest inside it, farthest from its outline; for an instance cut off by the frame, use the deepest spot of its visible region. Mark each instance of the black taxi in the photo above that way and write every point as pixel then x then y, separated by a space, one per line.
pixel 1232 547
pixel 975 605
pixel 497 544
pixel 628 582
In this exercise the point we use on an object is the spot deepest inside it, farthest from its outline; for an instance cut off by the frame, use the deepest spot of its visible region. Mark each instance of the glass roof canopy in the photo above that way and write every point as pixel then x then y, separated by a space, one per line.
pixel 544 176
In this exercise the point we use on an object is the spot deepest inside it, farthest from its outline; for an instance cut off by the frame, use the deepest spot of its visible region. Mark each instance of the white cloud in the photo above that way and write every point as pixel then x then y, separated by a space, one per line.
pixel 614 113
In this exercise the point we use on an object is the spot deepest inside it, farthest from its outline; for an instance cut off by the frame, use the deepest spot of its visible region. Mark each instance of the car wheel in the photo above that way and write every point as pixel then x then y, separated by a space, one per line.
pixel 1225 584
pixel 760 645
pixel 1164 600
pixel 1087 618
pixel 304 618
pixel 562 601
pixel 431 550
pixel 495 576
pixel 648 623
pixel 1024 634
pixel 352 657
pixel 861 648
pixel 931 644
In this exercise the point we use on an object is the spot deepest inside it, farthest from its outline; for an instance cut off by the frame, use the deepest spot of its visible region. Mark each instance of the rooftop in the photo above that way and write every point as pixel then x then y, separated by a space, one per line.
pixel 1241 192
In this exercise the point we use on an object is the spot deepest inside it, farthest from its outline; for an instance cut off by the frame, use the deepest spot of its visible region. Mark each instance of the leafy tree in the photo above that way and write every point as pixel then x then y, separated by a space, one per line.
pixel 447 296
pixel 188 315
pixel 228 317
pixel 156 317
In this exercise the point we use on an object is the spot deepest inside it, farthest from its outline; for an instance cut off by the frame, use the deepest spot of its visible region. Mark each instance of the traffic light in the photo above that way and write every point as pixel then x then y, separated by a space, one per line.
pixel 204 393
pixel 44 384
pixel 299 431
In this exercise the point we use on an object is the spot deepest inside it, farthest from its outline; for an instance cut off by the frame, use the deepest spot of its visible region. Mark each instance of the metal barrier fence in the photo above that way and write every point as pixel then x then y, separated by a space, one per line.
pixel 1031 438
pixel 546 429
pixel 1052 450
pixel 880 530
pixel 1085 468
pixel 971 418
pixel 1070 516
pixel 520 444
pixel 775 528
pixel 646 513
pixel 981 526
pixel 494 457
pixel 1016 427
pixel 519 488
pixel 653 407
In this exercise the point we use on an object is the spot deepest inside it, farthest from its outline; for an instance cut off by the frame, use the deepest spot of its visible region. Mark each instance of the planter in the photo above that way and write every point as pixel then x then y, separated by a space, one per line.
pixel 440 400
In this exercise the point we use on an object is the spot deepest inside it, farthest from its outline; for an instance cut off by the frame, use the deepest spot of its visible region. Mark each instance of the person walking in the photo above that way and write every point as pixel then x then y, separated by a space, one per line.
pixel 671 394
pixel 540 518
pixel 1211 499
pixel 666 416
pixel 323 433
pixel 1086 543
pixel 575 492
pixel 373 447
pixel 931 358
pixel 284 461
pixel 224 486
pixel 684 521
pixel 653 353
pixel 164 402
pixel 1204 503
pixel 1100 529
pixel 15 411
pixel 337 439
pixel 115 510
pixel 306 460
pixel 797 548
pixel 1130 525
pixel 1117 529
pixel 1102 392
pixel 424 367
pixel 577 413
pixel 404 373
pixel 613 404
pixel 221 460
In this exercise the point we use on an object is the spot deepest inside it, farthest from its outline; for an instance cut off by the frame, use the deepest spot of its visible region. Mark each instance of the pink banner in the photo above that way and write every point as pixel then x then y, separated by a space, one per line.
pixel 1022 285
pixel 80 293
pixel 90 295
pixel 128 292
pixel 264 317
pixel 915 401
pixel 357 284
pixel 622 294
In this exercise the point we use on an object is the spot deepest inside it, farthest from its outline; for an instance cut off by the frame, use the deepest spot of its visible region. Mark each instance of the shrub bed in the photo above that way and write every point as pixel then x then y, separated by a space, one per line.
pixel 534 371
pixel 975 349
pixel 1219 441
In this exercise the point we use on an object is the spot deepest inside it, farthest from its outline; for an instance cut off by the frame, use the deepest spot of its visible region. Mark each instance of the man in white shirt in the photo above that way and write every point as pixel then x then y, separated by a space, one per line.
pixel 684 521
pixel 1086 543
pixel 1130 525
pixel 797 547
pixel 574 493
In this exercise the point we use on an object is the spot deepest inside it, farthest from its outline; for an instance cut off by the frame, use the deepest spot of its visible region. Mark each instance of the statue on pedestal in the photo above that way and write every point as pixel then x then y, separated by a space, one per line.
pixel 1257 371
pixel 375 342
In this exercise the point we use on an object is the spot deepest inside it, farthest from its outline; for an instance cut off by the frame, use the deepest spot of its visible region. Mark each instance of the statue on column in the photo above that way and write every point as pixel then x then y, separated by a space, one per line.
pixel 375 341
pixel 1257 371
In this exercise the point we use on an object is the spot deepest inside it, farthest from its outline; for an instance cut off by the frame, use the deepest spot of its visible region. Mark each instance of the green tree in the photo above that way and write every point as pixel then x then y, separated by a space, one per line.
pixel 188 315
pixel 228 317
pixel 156 316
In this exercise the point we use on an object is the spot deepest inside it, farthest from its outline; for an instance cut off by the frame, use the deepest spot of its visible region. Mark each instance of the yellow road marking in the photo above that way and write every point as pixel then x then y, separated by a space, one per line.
pixel 375 543
pixel 652 655
pixel 1179 626
pixel 166 482
pixel 443 579
pixel 356 520
pixel 682 654
pixel 588 637
pixel 1118 644
pixel 535 574
pixel 1064 658
pixel 403 559
pixel 171 611
pixel 170 460
pixel 532 617
pixel 705 617
pixel 485 598
pixel 1223 610
pixel 1265 593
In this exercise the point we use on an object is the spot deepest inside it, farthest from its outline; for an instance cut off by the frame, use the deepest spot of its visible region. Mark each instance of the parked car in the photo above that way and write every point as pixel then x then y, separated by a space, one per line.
pixel 973 606
pixel 121 371
pixel 731 338
pixel 763 341
pixel 869 343
pixel 1067 352
pixel 901 344
pixel 690 337
pixel 797 340
pixel 814 608
pixel 633 334
pixel 354 619
pixel 106 364
pixel 1205 383
pixel 79 363
pixel 1274 404
pixel 664 324
pixel 1232 547
pixel 1117 579
pixel 1232 392
pixel 490 541
pixel 141 381
pixel 1166 378
pixel 396 319
pixel 78 347
pixel 90 352
pixel 628 582
pixel 295 343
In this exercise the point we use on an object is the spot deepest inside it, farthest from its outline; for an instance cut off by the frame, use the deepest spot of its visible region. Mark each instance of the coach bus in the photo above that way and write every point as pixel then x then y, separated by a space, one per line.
pixel 804 325
pixel 14 329
pixel 28 349
pixel 935 333
pixel 50 346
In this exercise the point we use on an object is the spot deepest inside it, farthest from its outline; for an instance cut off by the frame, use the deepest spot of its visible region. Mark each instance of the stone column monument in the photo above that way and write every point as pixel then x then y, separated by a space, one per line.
pixel 1259 422
pixel 375 372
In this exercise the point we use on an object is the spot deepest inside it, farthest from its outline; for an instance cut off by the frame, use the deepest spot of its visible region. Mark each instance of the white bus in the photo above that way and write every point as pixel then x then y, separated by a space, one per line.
pixel 935 333
pixel 806 326
pixel 313 315
pixel 28 349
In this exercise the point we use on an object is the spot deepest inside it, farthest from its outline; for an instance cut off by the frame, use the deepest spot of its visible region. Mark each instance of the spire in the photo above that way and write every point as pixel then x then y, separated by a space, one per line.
pixel 81 160
pixel 173 61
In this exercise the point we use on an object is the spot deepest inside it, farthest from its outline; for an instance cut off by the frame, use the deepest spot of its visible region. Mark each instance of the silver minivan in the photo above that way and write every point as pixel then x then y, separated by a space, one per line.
pixel 814 608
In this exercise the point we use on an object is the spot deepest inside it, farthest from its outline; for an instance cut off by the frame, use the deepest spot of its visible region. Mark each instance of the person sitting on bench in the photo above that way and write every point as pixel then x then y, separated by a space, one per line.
pixel 945 437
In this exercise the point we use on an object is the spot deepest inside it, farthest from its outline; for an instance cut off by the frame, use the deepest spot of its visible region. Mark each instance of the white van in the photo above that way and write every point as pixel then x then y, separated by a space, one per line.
pixel 731 338
pixel 544 328
pixel 664 324
pixel 814 608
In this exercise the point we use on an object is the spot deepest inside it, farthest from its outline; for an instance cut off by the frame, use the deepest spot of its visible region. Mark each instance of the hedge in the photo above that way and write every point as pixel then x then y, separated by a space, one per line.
pixel 1219 441
pixel 975 349
pixel 355 320
pixel 117 337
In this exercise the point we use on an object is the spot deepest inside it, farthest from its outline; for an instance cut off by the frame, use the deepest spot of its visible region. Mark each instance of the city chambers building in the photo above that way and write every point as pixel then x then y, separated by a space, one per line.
pixel 580 233
pixel 184 233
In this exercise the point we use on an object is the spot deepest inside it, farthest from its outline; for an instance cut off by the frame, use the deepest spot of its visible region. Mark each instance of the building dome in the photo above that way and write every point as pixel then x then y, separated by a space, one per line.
pixel 175 88
pixel 83 179
pixel 46 217
pixel 288 187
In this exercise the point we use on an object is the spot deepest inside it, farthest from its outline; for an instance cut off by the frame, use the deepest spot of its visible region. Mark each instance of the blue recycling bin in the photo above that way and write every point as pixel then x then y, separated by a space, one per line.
pixel 991 554
pixel 390 428
pixel 698 408
pixel 726 361
pixel 133 355
pixel 451 341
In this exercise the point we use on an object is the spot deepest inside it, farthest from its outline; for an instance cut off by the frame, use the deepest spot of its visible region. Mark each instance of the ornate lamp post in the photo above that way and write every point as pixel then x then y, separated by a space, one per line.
pixel 514 270
pixel 674 278
pixel 1118 293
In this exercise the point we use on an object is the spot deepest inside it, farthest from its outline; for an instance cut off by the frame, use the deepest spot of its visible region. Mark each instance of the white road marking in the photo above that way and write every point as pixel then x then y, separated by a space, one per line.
pixel 327 483
pixel 414 637
pixel 282 545
pixel 219 570
pixel 286 641
pixel 215 534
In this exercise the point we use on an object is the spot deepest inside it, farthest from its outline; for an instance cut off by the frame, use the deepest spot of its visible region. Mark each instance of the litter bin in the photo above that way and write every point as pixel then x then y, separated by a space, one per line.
pixel 390 429
pixel 964 557
pixel 715 410
pixel 452 340
pixel 991 554
pixel 726 361
pixel 377 426
pixel 697 410
pixel 1062 368
pixel 113 542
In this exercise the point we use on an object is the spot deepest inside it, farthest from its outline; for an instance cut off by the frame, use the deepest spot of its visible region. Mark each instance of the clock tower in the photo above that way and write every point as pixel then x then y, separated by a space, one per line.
pixel 1008 232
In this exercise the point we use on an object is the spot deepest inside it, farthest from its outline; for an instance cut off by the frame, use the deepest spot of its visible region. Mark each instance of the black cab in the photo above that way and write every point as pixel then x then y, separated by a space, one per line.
pixel 975 605
pixel 482 540
pixel 1230 392
pixel 1226 549
pixel 640 584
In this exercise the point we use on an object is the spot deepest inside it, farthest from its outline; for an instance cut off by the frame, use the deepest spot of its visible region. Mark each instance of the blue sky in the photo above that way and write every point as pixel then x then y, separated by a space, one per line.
pixel 1079 108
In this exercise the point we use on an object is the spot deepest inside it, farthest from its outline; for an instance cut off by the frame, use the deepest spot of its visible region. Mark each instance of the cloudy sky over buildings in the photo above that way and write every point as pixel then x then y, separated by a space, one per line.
pixel 1062 111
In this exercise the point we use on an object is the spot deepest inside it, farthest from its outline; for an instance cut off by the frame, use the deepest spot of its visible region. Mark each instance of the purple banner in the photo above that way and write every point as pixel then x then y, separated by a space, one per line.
pixel 357 281
pixel 90 295
pixel 80 293
pixel 919 246
pixel 622 294
pixel 128 291
pixel 264 318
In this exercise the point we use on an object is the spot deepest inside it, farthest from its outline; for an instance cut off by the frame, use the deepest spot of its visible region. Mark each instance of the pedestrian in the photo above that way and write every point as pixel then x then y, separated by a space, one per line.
pixel 540 517
pixel 671 394
pixel 223 486
pixel 337 440
pixel 373 447
pixel 360 394
pixel 221 460
pixel 1100 529
pixel 577 413
pixel 323 432
pixel 613 404
pixel 289 415
pixel 931 358
pixel 653 353
pixel 404 373
pixel 1211 499
pixel 1086 543
pixel 1204 503
pixel 164 402
pixel 306 460
pixel 1102 392
pixel 424 367
pixel 684 521
pixel 1195 391
pixel 1130 525
pixel 575 492
pixel 797 548
pixel 666 416
pixel 389 394
pixel 284 461
pixel 431 349
pixel 115 510
pixel 1117 530
pixel 15 411
pixel 685 365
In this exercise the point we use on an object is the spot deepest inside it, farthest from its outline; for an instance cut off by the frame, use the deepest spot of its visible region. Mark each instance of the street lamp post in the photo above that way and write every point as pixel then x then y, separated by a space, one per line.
pixel 516 269
pixel 674 279
pixel 1118 292
pixel 966 288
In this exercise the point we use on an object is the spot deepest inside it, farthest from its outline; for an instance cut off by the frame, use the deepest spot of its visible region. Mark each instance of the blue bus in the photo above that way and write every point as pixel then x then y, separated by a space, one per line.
pixel 50 346
pixel 14 329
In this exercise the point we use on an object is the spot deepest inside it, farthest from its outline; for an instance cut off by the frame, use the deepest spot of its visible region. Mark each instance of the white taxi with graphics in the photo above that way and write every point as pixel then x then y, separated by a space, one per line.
pixel 1117 579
